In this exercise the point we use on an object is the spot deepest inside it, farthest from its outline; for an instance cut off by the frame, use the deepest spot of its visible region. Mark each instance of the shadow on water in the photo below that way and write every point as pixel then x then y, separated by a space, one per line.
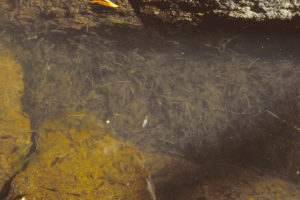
pixel 246 152
pixel 223 96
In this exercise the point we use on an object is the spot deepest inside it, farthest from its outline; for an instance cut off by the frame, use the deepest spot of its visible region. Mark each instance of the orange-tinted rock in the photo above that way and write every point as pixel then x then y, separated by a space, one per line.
pixel 78 159
pixel 15 135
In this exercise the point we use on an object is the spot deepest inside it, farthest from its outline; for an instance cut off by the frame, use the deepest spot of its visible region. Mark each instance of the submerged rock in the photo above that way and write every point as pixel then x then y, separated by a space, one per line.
pixel 77 158
pixel 15 134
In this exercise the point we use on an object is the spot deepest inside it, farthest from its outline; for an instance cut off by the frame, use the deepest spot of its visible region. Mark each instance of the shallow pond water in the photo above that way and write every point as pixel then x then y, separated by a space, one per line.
pixel 207 113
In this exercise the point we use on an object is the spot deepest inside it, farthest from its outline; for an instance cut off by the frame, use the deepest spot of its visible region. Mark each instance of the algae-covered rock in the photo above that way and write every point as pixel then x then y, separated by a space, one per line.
pixel 15 134
pixel 78 159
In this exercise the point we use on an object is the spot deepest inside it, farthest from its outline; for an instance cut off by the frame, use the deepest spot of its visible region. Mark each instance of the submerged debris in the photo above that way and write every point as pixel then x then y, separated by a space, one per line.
pixel 106 3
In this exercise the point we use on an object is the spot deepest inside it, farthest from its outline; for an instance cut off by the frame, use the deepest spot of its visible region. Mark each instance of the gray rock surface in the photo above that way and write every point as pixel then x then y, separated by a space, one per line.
pixel 192 11
pixel 61 14
pixel 259 9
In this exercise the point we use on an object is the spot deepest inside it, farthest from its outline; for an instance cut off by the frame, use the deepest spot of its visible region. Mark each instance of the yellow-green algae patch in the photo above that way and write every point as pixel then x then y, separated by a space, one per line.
pixel 78 159
pixel 15 134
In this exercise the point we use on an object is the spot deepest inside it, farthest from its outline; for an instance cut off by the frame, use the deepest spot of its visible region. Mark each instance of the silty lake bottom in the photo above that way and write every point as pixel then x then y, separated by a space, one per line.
pixel 200 113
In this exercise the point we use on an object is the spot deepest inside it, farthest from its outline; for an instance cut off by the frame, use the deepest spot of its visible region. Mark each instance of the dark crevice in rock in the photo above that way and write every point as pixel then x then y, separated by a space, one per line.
pixel 32 149
pixel 4 191
pixel 6 187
